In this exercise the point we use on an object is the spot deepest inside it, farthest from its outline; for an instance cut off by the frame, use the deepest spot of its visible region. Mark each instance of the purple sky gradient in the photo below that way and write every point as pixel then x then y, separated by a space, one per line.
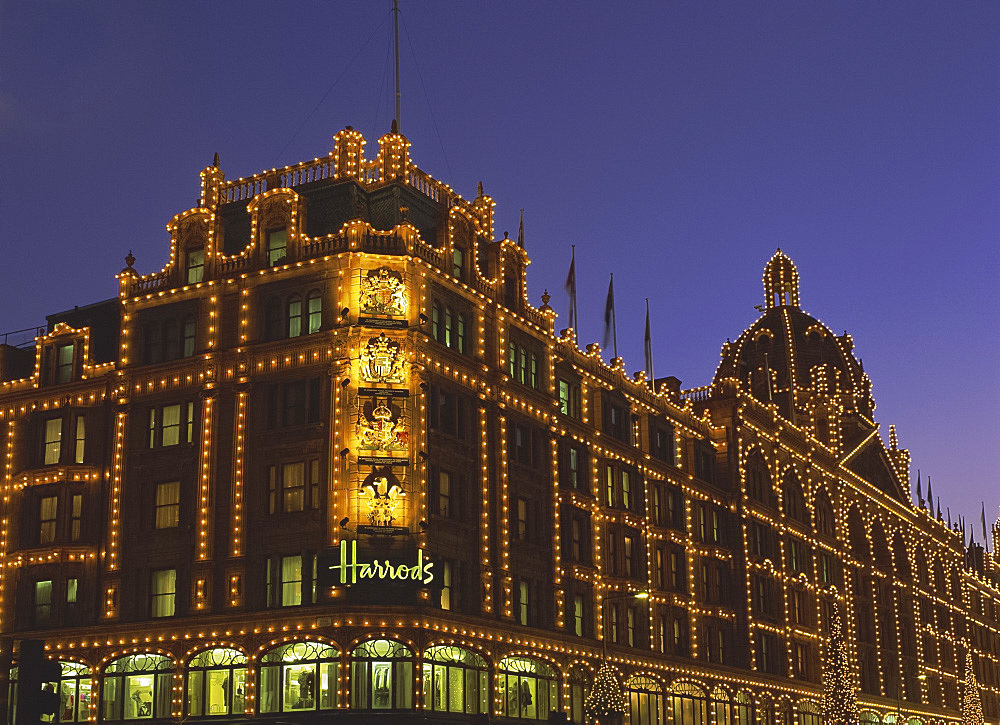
pixel 676 144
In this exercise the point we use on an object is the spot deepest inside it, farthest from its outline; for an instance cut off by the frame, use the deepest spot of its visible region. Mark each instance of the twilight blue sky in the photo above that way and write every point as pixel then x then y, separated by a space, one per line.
pixel 676 144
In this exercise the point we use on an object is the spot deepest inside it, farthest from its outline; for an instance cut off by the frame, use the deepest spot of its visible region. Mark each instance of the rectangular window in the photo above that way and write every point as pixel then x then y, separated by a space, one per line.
pixel 314 485
pixel 189 423
pixel 677 571
pixel 626 490
pixel 522 518
pixel 76 517
pixel 715 526
pixel 48 512
pixel 576 539
pixel 630 625
pixel 81 438
pixel 167 508
pixel 291 581
pixel 629 561
pixel 444 493
pixel 53 440
pixel 188 336
pixel 578 615
pixel 314 312
pixel 663 445
pixel 446 586
pixel 170 427
pixel 523 598
pixel 71 589
pixel 457 263
pixel 164 592
pixel 574 468
pixel 277 246
pixel 512 360
pixel 293 486
pixel 43 602
pixel 564 397
pixel 64 363
pixel 195 265
pixel 609 486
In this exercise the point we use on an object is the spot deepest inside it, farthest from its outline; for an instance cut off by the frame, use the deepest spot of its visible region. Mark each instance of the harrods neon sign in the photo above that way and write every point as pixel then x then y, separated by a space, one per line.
pixel 351 571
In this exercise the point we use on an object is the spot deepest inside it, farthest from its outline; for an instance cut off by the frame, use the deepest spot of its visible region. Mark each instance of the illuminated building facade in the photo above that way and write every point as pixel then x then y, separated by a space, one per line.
pixel 331 459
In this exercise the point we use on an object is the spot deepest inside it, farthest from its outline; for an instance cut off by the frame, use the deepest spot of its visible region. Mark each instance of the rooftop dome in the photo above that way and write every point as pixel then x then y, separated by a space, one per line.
pixel 791 359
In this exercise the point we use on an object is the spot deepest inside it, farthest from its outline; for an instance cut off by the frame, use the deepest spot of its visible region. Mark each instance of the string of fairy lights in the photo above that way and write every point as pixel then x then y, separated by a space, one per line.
pixel 818 461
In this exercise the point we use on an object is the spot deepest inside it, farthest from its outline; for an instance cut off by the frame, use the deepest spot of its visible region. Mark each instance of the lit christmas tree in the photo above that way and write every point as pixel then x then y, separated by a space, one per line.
pixel 840 702
pixel 605 702
pixel 972 702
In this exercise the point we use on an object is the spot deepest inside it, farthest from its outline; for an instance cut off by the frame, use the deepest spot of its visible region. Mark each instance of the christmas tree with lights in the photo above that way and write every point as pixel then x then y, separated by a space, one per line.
pixel 605 703
pixel 840 702
pixel 972 702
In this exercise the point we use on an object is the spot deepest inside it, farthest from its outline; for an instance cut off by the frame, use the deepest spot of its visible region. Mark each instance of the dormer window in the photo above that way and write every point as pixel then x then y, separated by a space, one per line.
pixel 195 265
pixel 277 246
pixel 458 263
pixel 64 363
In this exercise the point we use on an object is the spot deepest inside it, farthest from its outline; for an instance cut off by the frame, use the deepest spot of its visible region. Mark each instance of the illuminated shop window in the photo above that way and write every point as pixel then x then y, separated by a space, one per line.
pixel 721 706
pixel 74 688
pixel 687 702
pixel 299 676
pixel 645 701
pixel 195 265
pixel 809 713
pixel 137 687
pixel 526 688
pixel 455 680
pixel 579 688
pixel 53 440
pixel 277 246
pixel 217 682
pixel 382 676
pixel 744 709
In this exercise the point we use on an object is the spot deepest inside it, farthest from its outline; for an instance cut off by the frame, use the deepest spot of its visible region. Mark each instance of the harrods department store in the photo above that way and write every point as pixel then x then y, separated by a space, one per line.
pixel 331 462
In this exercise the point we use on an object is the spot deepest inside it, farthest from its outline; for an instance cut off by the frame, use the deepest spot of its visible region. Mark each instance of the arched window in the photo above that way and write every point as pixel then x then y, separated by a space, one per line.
pixel 188 336
pixel 272 319
pixel 744 709
pixel 869 718
pixel 722 708
pixel 382 676
pixel 460 332
pixel 579 688
pixel 810 713
pixel 299 676
pixel 645 700
pixel 767 710
pixel 74 688
pixel 448 326
pixel 527 688
pixel 688 704
pixel 216 682
pixel 436 321
pixel 137 687
pixel 314 310
pixel 294 306
pixel 455 680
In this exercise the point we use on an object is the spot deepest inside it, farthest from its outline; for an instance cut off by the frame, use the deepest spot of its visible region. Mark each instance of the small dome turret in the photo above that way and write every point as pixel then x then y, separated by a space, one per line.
pixel 781 282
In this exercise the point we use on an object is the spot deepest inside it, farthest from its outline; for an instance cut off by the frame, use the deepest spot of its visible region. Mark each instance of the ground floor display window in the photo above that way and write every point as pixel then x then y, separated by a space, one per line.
pixel 722 707
pixel 579 686
pixel 744 709
pixel 217 682
pixel 810 713
pixel 137 687
pixel 455 680
pixel 382 676
pixel 645 700
pixel 688 704
pixel 527 688
pixel 299 676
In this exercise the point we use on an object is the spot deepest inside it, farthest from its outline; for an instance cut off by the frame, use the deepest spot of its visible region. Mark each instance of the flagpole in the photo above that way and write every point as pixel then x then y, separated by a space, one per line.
pixel 614 322
pixel 649 350
pixel 575 311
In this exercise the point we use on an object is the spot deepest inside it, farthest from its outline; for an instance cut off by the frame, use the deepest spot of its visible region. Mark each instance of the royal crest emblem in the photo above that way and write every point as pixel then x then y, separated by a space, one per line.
pixel 380 428
pixel 383 292
pixel 382 360
pixel 382 497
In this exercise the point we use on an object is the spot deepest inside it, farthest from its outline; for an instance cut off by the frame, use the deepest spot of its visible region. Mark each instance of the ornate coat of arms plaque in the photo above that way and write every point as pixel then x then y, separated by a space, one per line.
pixel 382 497
pixel 380 428
pixel 382 360
pixel 383 292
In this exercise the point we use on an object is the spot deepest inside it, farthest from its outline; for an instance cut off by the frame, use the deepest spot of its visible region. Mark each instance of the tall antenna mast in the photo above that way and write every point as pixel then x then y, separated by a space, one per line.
pixel 395 26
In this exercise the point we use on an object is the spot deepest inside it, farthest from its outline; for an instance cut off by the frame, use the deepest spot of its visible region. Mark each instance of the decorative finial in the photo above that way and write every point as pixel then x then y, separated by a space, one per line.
pixel 505 236
pixel 893 443
pixel 546 297
pixel 129 259
pixel 394 128
pixel 215 161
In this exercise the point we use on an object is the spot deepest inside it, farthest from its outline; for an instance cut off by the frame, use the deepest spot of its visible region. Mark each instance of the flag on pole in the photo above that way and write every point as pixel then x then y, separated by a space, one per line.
pixel 648 350
pixel 571 289
pixel 609 318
